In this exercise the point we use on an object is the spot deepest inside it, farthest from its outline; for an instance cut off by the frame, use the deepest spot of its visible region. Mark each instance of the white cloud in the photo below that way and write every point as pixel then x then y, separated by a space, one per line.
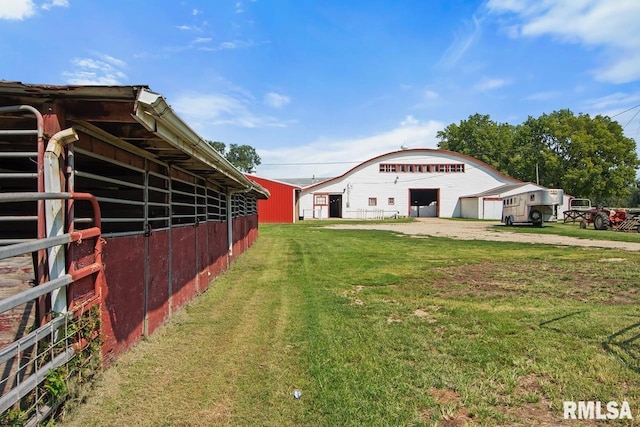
pixel 17 9
pixel 461 44
pixel 55 3
pixel 101 70
pixel 431 95
pixel 202 111
pixel 409 121
pixel 201 40
pixel 610 25
pixel 542 96
pixel 231 45
pixel 195 12
pixel 22 9
pixel 330 158
pixel 490 84
pixel 618 100
pixel 276 100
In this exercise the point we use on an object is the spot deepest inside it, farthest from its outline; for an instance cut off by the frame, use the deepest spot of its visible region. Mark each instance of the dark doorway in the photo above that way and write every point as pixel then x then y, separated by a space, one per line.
pixel 424 202
pixel 335 205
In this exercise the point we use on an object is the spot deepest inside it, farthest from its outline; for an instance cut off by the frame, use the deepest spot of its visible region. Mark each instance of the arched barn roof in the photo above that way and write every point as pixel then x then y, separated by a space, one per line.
pixel 429 151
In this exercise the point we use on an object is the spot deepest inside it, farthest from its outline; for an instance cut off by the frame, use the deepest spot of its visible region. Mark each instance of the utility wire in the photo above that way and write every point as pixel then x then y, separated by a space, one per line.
pixel 628 109
pixel 634 116
pixel 307 163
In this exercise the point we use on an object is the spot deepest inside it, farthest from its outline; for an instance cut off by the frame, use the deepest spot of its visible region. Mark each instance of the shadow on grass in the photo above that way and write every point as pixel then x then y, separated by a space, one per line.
pixel 625 344
pixel 557 319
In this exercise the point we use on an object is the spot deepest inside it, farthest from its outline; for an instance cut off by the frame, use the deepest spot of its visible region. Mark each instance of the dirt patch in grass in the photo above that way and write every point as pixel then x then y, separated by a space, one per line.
pixel 423 314
pixel 536 410
pixel 588 283
pixel 451 412
pixel 484 230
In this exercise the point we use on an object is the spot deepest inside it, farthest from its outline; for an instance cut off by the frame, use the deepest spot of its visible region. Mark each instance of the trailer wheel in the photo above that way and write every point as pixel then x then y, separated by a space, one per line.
pixel 601 221
pixel 508 220
pixel 535 216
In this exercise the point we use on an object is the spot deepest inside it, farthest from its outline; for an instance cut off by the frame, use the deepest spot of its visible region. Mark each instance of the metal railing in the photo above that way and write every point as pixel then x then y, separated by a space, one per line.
pixel 30 358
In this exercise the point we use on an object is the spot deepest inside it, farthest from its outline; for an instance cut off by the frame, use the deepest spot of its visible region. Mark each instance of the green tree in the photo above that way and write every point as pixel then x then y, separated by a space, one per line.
pixel 243 157
pixel 220 147
pixel 587 157
pixel 482 138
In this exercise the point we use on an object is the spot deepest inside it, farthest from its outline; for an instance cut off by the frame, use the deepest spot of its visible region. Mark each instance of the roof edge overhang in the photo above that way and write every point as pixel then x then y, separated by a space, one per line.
pixel 153 112
pixel 295 187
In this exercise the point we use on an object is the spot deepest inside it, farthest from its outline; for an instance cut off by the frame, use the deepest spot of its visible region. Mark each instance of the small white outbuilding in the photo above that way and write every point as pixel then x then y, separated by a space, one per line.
pixel 419 182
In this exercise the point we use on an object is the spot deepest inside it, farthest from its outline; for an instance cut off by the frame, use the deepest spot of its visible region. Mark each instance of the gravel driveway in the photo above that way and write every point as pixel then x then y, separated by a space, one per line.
pixel 484 230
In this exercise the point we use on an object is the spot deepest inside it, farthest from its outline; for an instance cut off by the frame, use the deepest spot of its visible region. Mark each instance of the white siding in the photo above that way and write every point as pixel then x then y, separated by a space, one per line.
pixel 366 181
pixel 492 209
pixel 469 208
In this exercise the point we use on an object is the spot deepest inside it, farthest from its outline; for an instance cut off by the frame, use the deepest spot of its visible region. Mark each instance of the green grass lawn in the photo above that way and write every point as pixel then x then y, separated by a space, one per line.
pixel 376 328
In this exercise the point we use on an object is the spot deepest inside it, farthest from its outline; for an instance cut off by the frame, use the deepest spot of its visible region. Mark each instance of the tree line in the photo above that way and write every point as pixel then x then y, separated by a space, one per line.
pixel 585 156
pixel 243 157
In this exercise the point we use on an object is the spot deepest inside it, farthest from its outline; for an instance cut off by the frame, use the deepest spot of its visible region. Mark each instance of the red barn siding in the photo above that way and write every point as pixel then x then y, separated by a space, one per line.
pixel 280 207
pixel 158 290
pixel 218 247
pixel 184 265
pixel 123 293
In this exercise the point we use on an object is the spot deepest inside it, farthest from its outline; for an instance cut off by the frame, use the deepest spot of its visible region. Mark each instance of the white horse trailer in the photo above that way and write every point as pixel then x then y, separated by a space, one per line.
pixel 532 207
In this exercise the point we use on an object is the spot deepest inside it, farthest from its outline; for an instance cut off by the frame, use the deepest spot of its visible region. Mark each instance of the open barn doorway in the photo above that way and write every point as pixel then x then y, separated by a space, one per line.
pixel 335 205
pixel 424 202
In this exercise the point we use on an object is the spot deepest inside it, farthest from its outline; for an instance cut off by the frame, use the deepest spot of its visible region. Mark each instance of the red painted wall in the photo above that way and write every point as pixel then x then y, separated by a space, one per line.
pixel 158 297
pixel 122 294
pixel 184 265
pixel 198 256
pixel 217 250
pixel 280 206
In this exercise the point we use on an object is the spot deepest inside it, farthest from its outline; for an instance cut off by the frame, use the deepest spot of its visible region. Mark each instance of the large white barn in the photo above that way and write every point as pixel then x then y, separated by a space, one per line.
pixel 414 182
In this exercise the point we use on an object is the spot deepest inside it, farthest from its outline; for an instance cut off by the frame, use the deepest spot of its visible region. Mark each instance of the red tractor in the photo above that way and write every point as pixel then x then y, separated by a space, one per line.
pixel 602 218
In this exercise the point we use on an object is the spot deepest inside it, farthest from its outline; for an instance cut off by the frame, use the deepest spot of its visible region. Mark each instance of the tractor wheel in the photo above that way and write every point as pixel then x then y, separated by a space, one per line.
pixel 601 221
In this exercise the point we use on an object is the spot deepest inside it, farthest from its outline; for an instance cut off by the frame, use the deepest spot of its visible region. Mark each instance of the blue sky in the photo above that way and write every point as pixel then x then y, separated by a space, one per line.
pixel 319 86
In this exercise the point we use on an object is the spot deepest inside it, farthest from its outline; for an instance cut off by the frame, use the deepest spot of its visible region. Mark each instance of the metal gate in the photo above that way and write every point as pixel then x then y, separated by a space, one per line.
pixel 40 261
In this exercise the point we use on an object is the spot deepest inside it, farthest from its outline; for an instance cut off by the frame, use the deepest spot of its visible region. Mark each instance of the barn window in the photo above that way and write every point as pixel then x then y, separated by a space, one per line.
pixel 183 202
pixel 118 186
pixel 373 201
pixel 158 198
pixel 215 201
pixel 391 201
pixel 238 205
pixel 320 199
